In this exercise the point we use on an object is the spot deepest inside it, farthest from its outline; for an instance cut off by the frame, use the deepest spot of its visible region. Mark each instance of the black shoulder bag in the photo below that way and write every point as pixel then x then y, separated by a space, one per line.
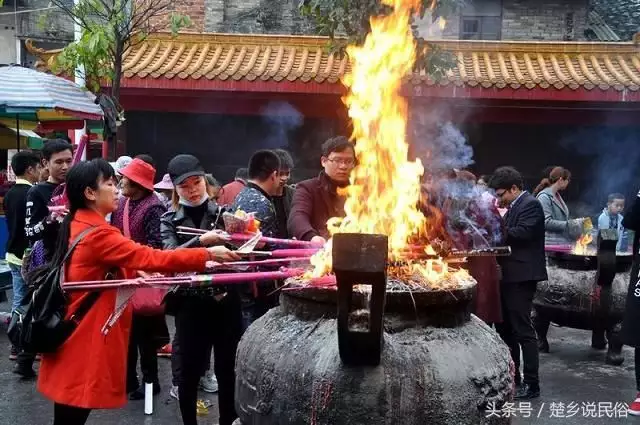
pixel 39 325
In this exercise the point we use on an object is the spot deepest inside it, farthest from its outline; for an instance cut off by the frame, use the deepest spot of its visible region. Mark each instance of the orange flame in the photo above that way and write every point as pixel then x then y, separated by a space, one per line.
pixel 385 186
pixel 581 246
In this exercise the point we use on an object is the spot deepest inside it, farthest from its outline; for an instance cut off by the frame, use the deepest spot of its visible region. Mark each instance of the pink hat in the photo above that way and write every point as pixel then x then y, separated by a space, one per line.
pixel 165 183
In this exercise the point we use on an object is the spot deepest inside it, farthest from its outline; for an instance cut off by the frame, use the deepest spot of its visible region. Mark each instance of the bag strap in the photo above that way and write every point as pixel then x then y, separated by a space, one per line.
pixel 76 242
pixel 85 306
pixel 92 297
pixel 73 246
pixel 125 220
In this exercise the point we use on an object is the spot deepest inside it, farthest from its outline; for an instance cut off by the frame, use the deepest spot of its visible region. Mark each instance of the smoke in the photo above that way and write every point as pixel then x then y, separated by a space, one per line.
pixel 438 143
pixel 610 156
pixel 280 119
pixel 472 220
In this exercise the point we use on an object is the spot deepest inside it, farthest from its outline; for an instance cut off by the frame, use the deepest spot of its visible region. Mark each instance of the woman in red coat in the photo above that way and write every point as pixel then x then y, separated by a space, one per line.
pixel 88 371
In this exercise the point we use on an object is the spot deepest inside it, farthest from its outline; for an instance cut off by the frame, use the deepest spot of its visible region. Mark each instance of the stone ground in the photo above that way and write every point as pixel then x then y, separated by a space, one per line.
pixel 571 373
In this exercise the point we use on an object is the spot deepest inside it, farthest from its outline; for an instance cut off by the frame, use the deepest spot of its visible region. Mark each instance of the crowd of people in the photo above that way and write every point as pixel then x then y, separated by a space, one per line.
pixel 119 222
pixel 498 210
pixel 122 222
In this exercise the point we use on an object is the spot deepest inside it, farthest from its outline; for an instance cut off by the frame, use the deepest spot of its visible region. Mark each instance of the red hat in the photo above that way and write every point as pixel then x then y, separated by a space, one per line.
pixel 140 172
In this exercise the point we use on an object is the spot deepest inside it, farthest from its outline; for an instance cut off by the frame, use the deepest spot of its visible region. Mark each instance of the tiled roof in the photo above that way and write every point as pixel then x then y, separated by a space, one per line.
pixel 600 30
pixel 623 16
pixel 487 64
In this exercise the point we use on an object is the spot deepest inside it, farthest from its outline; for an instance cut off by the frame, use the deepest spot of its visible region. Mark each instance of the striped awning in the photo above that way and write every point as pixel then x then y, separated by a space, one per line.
pixel 28 139
pixel 23 90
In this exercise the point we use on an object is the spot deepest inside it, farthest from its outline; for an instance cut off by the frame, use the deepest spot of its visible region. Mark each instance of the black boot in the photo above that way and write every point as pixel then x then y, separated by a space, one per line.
pixel 598 341
pixel 527 392
pixel 541 325
pixel 25 371
pixel 614 353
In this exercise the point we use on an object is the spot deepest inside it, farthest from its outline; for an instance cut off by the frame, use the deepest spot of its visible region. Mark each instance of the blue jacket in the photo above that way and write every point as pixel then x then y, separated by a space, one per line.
pixel 252 199
pixel 604 222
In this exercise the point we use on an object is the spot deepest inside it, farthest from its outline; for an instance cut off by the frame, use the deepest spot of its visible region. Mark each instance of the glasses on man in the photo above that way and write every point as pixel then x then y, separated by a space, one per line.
pixel 343 162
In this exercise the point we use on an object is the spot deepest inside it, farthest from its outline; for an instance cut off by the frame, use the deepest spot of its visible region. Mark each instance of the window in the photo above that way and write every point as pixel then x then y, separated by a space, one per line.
pixel 481 20
pixel 481 27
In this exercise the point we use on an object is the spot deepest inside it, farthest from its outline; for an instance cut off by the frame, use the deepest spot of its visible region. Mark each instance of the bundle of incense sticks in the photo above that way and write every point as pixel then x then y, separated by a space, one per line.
pixel 558 248
pixel 326 281
pixel 195 281
pixel 260 263
pixel 414 253
pixel 281 253
pixel 242 237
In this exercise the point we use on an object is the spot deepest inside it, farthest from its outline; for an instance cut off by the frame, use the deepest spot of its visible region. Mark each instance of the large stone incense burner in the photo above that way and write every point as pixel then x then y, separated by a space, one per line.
pixel 380 357
pixel 586 292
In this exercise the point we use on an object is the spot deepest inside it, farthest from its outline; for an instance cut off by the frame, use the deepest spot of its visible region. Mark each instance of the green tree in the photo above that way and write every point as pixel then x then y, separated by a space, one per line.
pixel 348 22
pixel 109 28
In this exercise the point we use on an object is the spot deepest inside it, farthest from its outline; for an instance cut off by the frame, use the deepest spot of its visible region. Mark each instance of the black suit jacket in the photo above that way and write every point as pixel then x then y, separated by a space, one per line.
pixel 524 230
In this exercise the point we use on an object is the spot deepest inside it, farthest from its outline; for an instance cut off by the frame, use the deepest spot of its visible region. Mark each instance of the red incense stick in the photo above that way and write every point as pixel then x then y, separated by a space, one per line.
pixel 185 281
pixel 243 237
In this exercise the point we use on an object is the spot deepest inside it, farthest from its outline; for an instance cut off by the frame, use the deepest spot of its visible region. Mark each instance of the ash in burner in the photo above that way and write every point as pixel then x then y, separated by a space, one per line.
pixel 456 280
pixel 416 283
pixel 359 320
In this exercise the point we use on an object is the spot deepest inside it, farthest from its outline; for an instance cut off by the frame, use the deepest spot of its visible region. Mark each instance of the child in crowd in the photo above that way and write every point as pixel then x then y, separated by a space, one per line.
pixel 611 218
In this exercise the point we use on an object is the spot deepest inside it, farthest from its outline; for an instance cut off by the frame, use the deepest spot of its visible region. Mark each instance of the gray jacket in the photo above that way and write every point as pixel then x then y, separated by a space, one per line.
pixel 560 230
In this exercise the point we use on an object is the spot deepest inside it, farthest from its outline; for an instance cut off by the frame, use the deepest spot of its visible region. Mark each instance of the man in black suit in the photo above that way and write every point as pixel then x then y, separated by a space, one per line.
pixel 521 271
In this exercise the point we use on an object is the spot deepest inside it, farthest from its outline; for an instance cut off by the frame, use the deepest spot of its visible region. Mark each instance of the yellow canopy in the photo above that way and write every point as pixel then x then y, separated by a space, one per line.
pixel 28 139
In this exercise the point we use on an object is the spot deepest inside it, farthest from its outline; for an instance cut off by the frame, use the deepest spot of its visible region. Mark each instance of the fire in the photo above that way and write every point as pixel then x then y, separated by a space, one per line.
pixel 385 186
pixel 582 244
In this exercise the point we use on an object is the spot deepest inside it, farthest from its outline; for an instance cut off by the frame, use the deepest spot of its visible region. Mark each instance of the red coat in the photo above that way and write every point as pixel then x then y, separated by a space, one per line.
pixel 230 191
pixel 89 370
pixel 314 202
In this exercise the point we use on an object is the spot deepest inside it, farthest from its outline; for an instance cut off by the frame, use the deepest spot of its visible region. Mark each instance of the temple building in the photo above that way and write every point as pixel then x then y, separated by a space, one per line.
pixel 536 83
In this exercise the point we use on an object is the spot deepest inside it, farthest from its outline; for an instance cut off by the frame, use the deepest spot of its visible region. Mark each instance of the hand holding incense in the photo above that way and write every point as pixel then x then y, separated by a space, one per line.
pixel 195 281
pixel 243 237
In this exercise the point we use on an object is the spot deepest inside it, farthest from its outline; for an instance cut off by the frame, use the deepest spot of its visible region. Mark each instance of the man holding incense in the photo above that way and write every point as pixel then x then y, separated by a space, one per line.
pixel 257 195
pixel 317 200
pixel 257 198
pixel 521 271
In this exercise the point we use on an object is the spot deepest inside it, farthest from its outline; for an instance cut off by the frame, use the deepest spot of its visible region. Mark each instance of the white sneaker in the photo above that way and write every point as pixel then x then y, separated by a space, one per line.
pixel 209 383
pixel 173 392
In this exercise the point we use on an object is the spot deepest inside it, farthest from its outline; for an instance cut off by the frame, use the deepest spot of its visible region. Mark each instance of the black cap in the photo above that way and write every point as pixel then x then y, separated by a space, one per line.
pixel 181 167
